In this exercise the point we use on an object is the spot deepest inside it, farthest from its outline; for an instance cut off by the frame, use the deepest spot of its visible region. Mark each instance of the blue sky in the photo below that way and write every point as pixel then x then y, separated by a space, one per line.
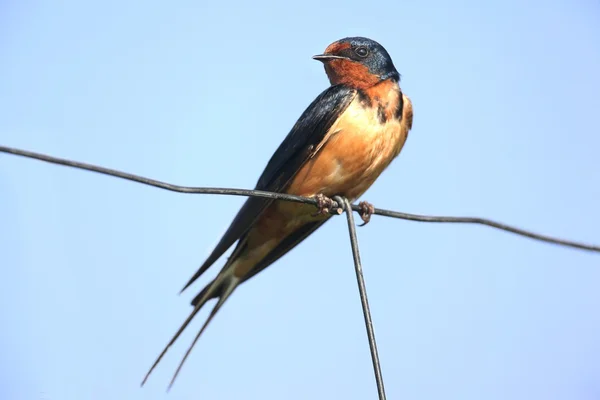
pixel 506 127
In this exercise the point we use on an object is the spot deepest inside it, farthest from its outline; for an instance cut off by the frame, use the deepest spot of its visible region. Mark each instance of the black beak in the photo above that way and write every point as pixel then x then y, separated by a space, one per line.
pixel 327 57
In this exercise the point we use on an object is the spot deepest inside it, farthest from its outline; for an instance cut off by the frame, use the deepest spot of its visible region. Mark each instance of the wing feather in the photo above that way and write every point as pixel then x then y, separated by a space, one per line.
pixel 296 149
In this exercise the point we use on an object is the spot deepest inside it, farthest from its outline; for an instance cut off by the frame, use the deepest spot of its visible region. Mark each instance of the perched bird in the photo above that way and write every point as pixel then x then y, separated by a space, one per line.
pixel 338 147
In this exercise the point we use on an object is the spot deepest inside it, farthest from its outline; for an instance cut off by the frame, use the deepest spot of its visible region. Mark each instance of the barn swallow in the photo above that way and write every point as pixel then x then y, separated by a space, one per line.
pixel 338 147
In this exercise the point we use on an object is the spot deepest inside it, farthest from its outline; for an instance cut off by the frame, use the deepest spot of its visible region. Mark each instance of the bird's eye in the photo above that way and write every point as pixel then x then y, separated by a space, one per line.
pixel 362 51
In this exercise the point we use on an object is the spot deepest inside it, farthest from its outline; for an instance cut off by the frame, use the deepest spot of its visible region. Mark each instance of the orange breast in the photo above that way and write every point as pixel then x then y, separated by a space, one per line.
pixel 357 151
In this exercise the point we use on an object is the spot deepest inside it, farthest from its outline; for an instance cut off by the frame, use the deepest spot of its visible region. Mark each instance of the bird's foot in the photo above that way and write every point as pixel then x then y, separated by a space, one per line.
pixel 325 205
pixel 366 210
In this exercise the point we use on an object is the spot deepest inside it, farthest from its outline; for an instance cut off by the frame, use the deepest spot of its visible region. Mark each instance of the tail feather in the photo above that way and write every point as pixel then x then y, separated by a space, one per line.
pixel 207 264
pixel 221 287
pixel 200 296
pixel 222 298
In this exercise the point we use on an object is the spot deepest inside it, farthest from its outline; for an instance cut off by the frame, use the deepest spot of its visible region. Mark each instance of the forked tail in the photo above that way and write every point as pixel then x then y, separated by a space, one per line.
pixel 221 287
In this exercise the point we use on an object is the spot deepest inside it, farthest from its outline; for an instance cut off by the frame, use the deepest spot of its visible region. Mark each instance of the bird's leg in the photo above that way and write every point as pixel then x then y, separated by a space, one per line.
pixel 366 210
pixel 325 205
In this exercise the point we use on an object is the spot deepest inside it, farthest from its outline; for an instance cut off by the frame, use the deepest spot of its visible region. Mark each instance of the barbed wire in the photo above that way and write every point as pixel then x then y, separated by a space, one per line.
pixel 339 205
pixel 298 199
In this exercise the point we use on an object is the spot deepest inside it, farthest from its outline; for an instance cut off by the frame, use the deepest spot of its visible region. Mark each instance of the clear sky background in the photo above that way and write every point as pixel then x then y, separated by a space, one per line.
pixel 506 126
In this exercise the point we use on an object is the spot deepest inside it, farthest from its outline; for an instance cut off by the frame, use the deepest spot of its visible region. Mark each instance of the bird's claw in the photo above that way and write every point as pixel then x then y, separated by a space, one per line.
pixel 325 205
pixel 366 210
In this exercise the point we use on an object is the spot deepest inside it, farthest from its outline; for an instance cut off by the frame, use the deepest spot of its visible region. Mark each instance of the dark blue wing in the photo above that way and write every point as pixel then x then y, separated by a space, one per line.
pixel 288 159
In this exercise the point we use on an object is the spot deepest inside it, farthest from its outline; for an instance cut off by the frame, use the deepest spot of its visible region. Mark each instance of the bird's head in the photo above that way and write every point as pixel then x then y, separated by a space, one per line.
pixel 357 62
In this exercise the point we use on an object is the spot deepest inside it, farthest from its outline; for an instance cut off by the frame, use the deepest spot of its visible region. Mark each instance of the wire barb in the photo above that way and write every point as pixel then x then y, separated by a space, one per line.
pixel 297 199
pixel 363 295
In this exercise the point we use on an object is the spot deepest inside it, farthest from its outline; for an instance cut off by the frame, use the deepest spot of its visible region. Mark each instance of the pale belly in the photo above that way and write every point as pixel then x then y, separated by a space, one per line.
pixel 357 151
